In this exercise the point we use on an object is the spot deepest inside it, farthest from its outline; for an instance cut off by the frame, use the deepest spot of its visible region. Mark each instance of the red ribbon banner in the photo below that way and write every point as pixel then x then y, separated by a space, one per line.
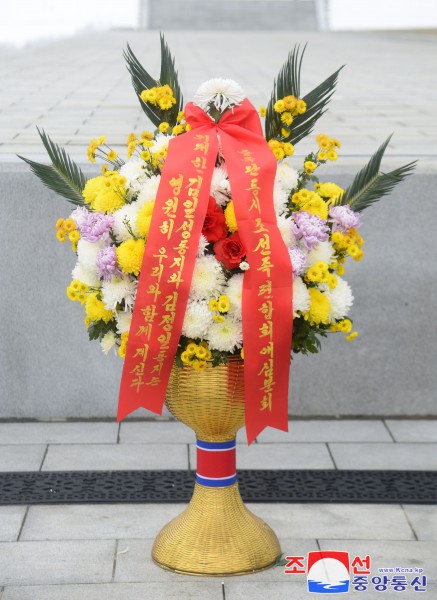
pixel 169 258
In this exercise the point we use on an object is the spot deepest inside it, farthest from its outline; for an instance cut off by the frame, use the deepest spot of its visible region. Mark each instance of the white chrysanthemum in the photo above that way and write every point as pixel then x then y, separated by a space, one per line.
pixel 203 243
pixel 87 254
pixel 323 251
pixel 123 320
pixel 160 142
pixel 118 289
pixel 220 187
pixel 286 176
pixel 198 319
pixel 108 341
pixel 148 191
pixel 223 93
pixel 133 170
pixel 284 226
pixel 129 212
pixel 234 291
pixel 340 298
pixel 280 199
pixel 301 297
pixel 90 277
pixel 226 336
pixel 135 174
pixel 208 279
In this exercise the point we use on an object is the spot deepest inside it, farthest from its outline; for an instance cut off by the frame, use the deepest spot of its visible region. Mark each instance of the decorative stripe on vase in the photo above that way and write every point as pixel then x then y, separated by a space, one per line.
pixel 216 463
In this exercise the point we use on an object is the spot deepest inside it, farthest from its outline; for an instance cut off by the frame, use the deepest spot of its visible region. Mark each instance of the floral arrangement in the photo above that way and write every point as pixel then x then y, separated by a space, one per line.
pixel 318 220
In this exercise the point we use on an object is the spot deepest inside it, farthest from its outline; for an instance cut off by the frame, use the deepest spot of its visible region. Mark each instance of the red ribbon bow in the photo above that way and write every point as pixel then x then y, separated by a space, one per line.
pixel 170 254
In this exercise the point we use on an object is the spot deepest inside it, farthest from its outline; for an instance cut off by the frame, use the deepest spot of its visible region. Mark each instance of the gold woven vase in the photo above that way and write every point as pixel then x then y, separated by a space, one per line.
pixel 216 534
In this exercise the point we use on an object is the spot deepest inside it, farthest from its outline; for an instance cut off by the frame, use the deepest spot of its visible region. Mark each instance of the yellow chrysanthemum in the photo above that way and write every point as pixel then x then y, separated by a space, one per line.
pixel 301 107
pixel 290 102
pixel 287 118
pixel 105 193
pixel 332 155
pixel 352 336
pixel 144 218
pixel 345 326
pixel 213 305
pixel 112 155
pixel 309 166
pixel 61 236
pixel 262 111
pixel 230 218
pixel 95 309
pixel 163 127
pixel 223 304
pixel 316 206
pixel 130 255
pixel 178 129
pixel 288 149
pixel 279 106
pixel 329 190
pixel 319 309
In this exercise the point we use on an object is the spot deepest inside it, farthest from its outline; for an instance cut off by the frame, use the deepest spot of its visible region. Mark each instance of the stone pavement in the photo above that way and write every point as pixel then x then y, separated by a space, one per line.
pixel 102 552
pixel 79 88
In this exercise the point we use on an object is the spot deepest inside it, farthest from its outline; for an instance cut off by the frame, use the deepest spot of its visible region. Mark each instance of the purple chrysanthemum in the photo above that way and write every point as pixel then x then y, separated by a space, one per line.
pixel 106 263
pixel 298 260
pixel 344 218
pixel 79 216
pixel 95 226
pixel 309 229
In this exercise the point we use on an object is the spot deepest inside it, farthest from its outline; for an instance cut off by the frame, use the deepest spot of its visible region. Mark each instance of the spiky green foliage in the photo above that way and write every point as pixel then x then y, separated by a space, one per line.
pixel 63 176
pixel 142 80
pixel 287 83
pixel 370 184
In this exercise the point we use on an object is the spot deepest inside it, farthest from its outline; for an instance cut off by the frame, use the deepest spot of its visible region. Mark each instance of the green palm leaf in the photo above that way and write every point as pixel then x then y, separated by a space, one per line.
pixel 63 176
pixel 142 80
pixel 287 83
pixel 370 184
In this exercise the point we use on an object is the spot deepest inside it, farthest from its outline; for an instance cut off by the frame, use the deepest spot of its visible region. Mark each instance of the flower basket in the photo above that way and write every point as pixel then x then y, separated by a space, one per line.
pixel 204 260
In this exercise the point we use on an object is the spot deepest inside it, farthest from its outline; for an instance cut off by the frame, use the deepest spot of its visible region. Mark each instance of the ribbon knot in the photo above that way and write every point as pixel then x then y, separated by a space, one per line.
pixel 170 255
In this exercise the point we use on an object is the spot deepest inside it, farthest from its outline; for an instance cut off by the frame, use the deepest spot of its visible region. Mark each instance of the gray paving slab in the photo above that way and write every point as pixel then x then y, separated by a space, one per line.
pixel 94 521
pixel 399 456
pixel 58 433
pixel 66 561
pixel 134 563
pixel 11 519
pixel 279 456
pixel 155 432
pixel 413 430
pixel 336 521
pixel 423 520
pixel 242 590
pixel 21 458
pixel 374 94
pixel 320 430
pixel 130 457
pixel 186 590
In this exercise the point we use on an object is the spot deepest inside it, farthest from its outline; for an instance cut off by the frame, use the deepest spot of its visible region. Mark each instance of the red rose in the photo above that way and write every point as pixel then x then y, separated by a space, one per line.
pixel 230 251
pixel 214 227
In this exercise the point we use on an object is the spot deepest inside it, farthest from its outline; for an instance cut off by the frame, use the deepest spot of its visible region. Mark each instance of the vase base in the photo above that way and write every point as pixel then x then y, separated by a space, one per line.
pixel 216 535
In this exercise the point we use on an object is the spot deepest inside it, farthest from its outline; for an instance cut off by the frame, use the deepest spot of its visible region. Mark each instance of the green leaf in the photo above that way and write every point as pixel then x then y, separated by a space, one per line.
pixel 63 176
pixel 370 185
pixel 142 80
pixel 287 83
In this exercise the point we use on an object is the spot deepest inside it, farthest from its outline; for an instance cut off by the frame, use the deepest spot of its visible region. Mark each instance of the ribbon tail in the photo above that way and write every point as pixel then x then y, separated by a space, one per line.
pixel 167 270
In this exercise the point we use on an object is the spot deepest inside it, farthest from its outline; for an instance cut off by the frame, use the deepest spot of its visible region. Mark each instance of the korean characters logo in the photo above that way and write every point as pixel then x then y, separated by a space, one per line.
pixel 332 572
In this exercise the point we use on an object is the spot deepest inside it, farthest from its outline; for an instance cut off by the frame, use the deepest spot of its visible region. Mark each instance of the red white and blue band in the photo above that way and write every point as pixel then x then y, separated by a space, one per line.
pixel 216 463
